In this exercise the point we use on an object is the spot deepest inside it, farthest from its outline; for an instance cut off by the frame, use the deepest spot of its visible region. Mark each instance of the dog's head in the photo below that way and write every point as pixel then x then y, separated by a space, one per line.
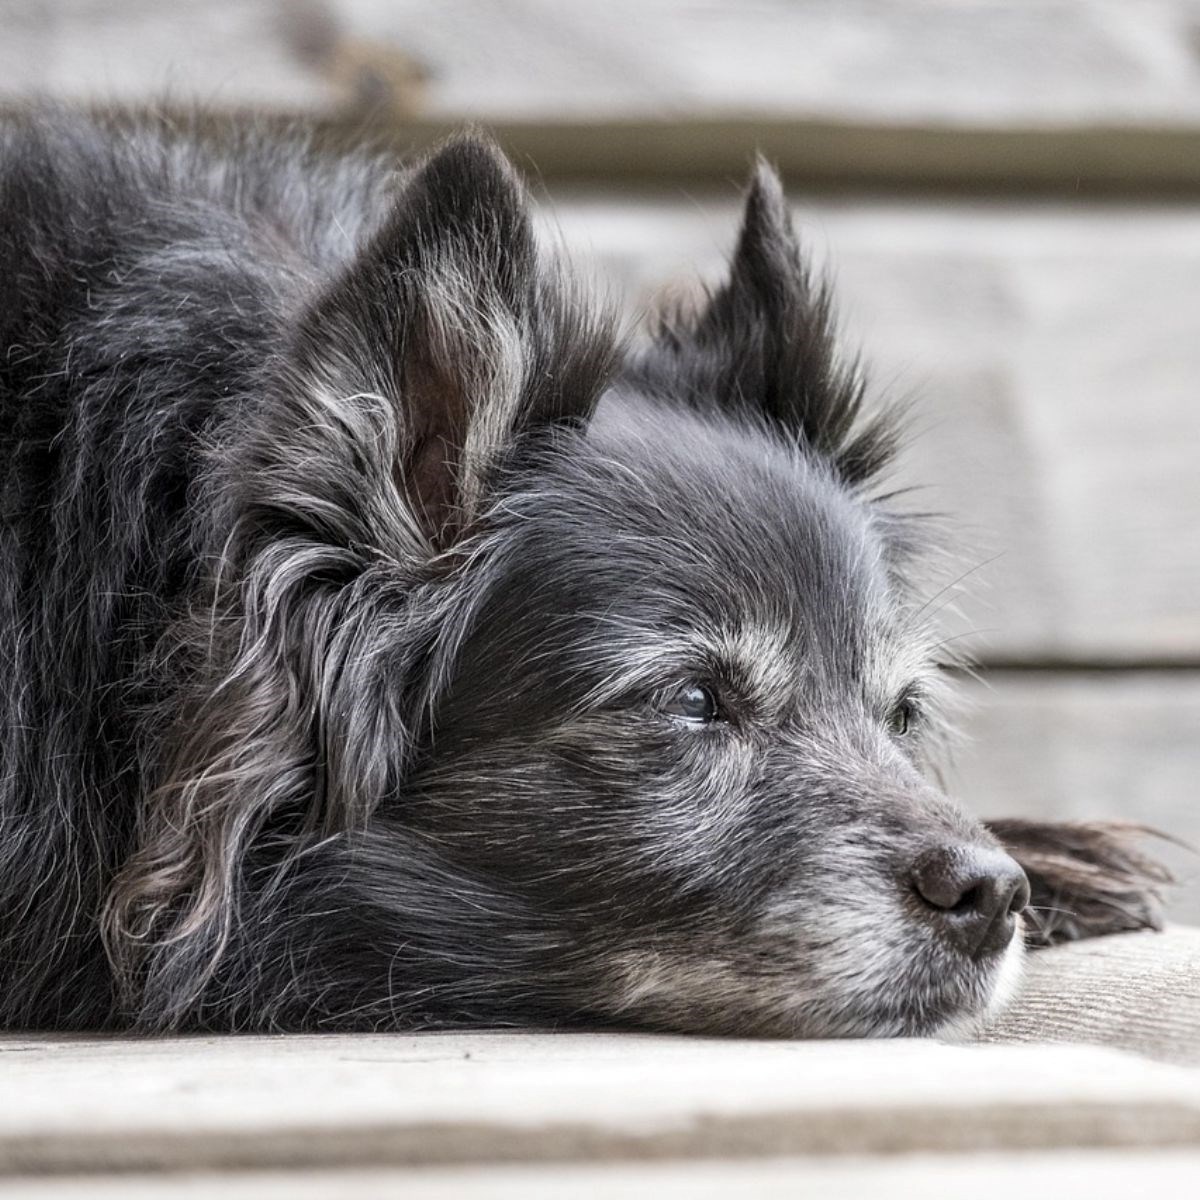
pixel 606 670
pixel 687 713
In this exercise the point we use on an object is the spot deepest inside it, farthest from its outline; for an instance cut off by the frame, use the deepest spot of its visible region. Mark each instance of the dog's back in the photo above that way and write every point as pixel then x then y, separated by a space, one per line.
pixel 146 276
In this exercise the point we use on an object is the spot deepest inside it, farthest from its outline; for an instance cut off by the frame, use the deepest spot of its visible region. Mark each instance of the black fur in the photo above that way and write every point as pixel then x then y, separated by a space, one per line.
pixel 356 591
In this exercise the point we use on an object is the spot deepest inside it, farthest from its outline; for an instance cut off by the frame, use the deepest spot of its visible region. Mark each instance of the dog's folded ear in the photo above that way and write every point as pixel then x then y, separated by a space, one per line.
pixel 451 314
pixel 764 344
pixel 1086 878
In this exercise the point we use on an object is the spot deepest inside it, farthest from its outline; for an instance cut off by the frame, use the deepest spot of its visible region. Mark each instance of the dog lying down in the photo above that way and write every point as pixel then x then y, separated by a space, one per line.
pixel 386 645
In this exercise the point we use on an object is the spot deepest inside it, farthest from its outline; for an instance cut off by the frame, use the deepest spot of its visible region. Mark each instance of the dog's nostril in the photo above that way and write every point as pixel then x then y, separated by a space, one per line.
pixel 1021 894
pixel 974 893
pixel 941 877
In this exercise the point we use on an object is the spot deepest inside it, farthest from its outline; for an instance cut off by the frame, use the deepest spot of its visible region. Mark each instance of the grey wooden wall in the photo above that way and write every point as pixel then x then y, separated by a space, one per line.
pixel 1008 193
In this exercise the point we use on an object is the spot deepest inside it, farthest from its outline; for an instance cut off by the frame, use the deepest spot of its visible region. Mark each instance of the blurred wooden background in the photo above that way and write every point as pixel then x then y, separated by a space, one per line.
pixel 1008 194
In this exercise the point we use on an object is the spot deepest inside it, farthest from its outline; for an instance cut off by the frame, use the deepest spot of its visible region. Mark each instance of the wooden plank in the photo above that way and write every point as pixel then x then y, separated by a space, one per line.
pixel 827 154
pixel 932 63
pixel 1137 991
pixel 1079 745
pixel 223 52
pixel 1076 96
pixel 78 1105
pixel 1099 1175
pixel 1085 746
pixel 936 62
pixel 1052 354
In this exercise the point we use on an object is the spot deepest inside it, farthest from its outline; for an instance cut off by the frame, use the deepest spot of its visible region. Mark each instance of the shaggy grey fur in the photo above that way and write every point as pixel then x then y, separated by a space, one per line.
pixel 385 646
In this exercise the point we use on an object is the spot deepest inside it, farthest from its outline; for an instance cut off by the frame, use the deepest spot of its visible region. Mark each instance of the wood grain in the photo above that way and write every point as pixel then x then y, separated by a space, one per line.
pixel 1095 95
pixel 1063 746
pixel 1051 356
pixel 912 62
pixel 929 61
pixel 1096 1174
pixel 78 1105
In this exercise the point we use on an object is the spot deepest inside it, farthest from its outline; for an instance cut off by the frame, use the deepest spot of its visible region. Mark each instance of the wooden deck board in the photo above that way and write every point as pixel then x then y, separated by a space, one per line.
pixel 1082 94
pixel 78 1105
pixel 1099 1175
pixel 1051 356
pixel 1079 746
pixel 936 62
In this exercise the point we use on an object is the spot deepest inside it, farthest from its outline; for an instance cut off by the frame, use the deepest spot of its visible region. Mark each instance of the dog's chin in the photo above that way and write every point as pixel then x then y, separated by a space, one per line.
pixel 952 1008
pixel 943 995
pixel 1003 985
pixel 937 993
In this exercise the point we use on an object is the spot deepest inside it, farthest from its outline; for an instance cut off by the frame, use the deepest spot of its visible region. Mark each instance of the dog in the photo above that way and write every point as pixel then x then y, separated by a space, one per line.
pixel 390 644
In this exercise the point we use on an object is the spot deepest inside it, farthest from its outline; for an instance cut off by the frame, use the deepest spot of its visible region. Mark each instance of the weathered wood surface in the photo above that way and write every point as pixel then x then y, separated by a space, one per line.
pixel 933 62
pixel 1135 991
pixel 1080 745
pixel 78 1105
pixel 1053 348
pixel 1098 1175
pixel 937 60
pixel 1086 746
pixel 1052 354
pixel 238 53
pixel 1079 94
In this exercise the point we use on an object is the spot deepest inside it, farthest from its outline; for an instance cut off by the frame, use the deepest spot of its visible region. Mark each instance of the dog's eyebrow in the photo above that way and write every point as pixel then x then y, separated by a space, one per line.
pixel 757 657
pixel 760 657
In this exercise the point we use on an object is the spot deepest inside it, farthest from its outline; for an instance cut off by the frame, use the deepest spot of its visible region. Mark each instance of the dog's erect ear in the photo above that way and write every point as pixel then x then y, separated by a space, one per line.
pixel 1086 878
pixel 441 346
pixel 767 272
pixel 450 314
pixel 764 344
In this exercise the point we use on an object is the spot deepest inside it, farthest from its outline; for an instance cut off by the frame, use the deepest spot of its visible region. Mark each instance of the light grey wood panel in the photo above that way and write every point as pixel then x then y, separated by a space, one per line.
pixel 1086 746
pixel 1078 93
pixel 83 1104
pixel 914 61
pixel 1097 1174
pixel 1139 991
pixel 930 61
pixel 223 52
pixel 1052 353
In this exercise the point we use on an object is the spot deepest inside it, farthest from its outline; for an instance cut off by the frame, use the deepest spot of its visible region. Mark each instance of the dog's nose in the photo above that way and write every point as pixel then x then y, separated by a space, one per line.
pixel 974 893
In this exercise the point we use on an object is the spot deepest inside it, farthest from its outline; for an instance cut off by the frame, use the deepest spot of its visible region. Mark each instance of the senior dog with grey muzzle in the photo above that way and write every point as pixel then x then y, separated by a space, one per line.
pixel 386 645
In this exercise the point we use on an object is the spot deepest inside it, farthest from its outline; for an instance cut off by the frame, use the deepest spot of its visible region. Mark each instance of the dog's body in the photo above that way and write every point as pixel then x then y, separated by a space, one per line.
pixel 384 647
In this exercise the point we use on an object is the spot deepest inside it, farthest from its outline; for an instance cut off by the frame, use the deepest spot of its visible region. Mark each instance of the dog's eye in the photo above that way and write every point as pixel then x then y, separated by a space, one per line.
pixel 693 703
pixel 902 717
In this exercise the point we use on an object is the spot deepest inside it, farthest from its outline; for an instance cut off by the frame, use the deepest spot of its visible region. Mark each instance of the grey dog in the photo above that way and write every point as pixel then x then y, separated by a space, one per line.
pixel 386 644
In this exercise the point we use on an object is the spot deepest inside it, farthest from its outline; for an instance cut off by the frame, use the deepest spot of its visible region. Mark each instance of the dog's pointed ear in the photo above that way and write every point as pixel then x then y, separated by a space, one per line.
pixel 767 269
pixel 450 313
pixel 1086 878
pixel 765 345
